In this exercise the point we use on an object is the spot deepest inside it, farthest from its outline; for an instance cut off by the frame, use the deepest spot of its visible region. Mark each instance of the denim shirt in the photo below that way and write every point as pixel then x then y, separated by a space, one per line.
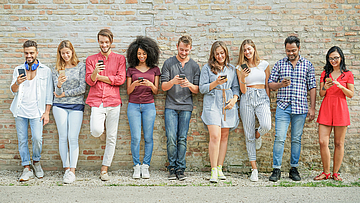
pixel 44 89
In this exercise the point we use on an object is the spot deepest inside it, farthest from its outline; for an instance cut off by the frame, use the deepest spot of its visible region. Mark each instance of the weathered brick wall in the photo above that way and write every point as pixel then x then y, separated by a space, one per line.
pixel 320 24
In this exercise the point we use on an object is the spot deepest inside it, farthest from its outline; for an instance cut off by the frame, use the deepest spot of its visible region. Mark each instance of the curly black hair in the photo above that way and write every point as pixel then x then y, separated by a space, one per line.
pixel 329 68
pixel 149 46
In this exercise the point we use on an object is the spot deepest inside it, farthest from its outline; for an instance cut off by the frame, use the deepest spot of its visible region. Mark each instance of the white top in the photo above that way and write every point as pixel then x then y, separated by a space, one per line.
pixel 28 103
pixel 257 74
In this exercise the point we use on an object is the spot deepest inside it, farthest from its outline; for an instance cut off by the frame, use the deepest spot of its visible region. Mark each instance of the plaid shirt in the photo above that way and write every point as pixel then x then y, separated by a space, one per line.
pixel 302 80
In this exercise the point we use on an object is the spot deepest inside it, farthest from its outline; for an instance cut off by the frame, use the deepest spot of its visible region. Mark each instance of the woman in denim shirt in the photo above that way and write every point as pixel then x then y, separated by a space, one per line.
pixel 219 84
pixel 142 83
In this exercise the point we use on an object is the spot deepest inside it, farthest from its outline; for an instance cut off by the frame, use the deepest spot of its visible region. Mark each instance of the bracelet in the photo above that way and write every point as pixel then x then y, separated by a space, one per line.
pixel 242 82
pixel 323 88
pixel 17 83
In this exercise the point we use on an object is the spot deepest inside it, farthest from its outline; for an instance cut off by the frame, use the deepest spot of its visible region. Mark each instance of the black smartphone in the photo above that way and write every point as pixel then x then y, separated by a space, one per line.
pixel 22 71
pixel 141 79
pixel 182 76
pixel 223 77
pixel 244 66
pixel 101 62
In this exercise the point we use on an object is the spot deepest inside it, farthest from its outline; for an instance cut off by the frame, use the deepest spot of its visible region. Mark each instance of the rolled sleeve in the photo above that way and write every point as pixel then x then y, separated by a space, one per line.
pixel 120 76
pixel 274 76
pixel 204 85
pixel 49 89
pixel 196 77
pixel 311 81
pixel 14 78
pixel 165 73
pixel 90 67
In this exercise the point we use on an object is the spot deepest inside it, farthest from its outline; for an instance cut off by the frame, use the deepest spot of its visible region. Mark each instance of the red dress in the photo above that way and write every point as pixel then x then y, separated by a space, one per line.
pixel 334 110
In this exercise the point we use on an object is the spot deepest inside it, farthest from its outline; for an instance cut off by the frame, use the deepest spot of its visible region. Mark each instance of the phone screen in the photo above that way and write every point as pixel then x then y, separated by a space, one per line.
pixel 244 66
pixel 22 71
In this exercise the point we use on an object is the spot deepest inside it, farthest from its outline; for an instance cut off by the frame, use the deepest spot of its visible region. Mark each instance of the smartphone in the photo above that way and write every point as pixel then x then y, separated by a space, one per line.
pixel 101 63
pixel 141 79
pixel 328 80
pixel 182 76
pixel 226 103
pixel 223 77
pixel 61 72
pixel 244 66
pixel 22 71
pixel 287 78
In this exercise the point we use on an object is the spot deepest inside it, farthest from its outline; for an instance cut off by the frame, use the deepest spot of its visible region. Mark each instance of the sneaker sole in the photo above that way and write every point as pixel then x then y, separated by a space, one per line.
pixel 181 179
pixel 222 178
pixel 172 178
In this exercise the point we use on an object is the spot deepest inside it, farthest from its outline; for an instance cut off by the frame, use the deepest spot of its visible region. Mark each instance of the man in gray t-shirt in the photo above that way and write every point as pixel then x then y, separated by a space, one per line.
pixel 180 78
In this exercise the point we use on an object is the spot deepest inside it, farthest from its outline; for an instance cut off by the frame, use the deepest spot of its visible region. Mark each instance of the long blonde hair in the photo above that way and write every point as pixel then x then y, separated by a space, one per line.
pixel 60 63
pixel 214 65
pixel 242 59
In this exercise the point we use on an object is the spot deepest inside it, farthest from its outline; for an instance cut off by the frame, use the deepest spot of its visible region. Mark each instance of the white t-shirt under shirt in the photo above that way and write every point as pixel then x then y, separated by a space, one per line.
pixel 257 74
pixel 28 103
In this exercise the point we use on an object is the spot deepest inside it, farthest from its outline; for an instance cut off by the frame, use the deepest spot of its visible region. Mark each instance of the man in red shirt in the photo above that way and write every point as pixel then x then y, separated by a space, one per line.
pixel 105 72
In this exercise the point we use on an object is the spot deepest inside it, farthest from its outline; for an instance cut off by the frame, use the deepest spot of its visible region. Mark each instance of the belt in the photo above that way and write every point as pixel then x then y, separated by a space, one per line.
pixel 224 101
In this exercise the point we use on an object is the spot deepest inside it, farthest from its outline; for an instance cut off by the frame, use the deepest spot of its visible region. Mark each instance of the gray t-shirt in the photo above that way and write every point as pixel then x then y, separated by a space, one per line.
pixel 180 98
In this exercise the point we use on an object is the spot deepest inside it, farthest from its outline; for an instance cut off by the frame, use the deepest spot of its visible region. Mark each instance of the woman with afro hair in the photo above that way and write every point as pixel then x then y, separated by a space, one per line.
pixel 142 83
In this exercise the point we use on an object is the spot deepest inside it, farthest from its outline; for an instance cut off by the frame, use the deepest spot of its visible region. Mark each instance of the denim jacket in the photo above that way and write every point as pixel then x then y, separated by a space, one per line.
pixel 44 90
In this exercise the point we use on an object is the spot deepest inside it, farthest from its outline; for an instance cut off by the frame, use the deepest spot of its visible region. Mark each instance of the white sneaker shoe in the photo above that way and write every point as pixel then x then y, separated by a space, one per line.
pixel 145 171
pixel 214 175
pixel 39 173
pixel 254 175
pixel 136 174
pixel 26 175
pixel 221 175
pixel 258 143
pixel 65 177
pixel 104 176
pixel 70 178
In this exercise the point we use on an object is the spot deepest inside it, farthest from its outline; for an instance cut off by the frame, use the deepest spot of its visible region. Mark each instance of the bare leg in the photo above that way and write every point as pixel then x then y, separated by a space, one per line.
pixel 339 139
pixel 253 164
pixel 223 145
pixel 214 144
pixel 104 168
pixel 324 136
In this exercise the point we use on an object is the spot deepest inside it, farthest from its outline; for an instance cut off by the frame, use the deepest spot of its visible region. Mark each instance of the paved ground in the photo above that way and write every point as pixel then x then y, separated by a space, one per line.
pixel 122 188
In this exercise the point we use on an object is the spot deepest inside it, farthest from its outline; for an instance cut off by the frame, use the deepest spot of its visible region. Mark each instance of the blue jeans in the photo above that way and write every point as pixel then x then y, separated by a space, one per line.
pixel 36 127
pixel 145 114
pixel 282 120
pixel 68 123
pixel 176 126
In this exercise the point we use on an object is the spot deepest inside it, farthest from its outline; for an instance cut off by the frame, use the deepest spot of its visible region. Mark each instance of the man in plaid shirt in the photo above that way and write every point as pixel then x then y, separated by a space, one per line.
pixel 293 76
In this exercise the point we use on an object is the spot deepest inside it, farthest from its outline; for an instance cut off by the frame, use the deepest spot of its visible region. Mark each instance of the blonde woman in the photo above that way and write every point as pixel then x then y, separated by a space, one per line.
pixel 219 84
pixel 253 75
pixel 69 81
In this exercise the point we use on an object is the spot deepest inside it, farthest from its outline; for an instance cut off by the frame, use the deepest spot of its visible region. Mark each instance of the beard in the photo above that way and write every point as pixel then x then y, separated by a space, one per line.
pixel 31 62
pixel 102 50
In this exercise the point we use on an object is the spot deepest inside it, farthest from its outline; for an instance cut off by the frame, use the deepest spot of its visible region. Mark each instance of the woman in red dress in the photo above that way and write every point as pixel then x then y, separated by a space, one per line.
pixel 336 83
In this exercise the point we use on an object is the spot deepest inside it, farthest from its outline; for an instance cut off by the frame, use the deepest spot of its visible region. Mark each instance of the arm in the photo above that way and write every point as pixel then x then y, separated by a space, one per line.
pixel 45 115
pixel 16 81
pixel 120 76
pixel 193 88
pixel 155 85
pixel 90 68
pixel 130 86
pixel 311 113
pixel 267 75
pixel 242 74
pixel 79 90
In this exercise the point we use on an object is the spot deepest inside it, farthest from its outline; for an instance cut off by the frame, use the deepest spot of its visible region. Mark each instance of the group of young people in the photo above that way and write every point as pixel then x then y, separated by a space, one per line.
pixel 36 88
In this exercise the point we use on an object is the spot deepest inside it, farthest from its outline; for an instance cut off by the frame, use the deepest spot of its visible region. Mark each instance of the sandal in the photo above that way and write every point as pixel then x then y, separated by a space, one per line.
pixel 321 177
pixel 336 177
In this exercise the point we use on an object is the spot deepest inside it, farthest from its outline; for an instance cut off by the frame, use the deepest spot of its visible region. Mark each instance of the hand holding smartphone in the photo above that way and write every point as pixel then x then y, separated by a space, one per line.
pixel 182 76
pixel 245 67
pixel 328 80
pixel 287 78
pixel 141 79
pixel 101 63
pixel 22 71
pixel 223 77
pixel 61 73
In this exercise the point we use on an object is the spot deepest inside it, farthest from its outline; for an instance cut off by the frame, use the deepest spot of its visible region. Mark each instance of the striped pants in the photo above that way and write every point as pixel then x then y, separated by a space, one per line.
pixel 254 101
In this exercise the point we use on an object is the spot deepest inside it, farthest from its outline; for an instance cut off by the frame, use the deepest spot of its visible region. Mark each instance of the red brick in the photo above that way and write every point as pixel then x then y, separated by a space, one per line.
pixel 131 1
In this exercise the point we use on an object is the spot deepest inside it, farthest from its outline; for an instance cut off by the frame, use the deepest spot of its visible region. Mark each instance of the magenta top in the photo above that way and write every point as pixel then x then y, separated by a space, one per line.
pixel 142 94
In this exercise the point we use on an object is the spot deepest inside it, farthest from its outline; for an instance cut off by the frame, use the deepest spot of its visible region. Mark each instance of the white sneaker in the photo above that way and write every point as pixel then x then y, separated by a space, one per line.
pixel 214 175
pixel 136 174
pixel 70 178
pixel 145 171
pixel 104 176
pixel 39 173
pixel 258 143
pixel 26 175
pixel 221 175
pixel 254 175
pixel 65 177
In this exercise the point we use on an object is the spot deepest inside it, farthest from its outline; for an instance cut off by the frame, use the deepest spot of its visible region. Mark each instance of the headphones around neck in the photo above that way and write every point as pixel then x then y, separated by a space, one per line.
pixel 33 67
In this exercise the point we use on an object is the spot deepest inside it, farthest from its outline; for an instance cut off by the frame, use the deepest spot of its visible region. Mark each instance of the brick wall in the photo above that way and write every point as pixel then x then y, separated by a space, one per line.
pixel 320 24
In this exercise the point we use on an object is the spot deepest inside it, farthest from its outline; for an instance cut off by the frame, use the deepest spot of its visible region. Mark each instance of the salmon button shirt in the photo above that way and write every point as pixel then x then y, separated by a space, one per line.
pixel 101 92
